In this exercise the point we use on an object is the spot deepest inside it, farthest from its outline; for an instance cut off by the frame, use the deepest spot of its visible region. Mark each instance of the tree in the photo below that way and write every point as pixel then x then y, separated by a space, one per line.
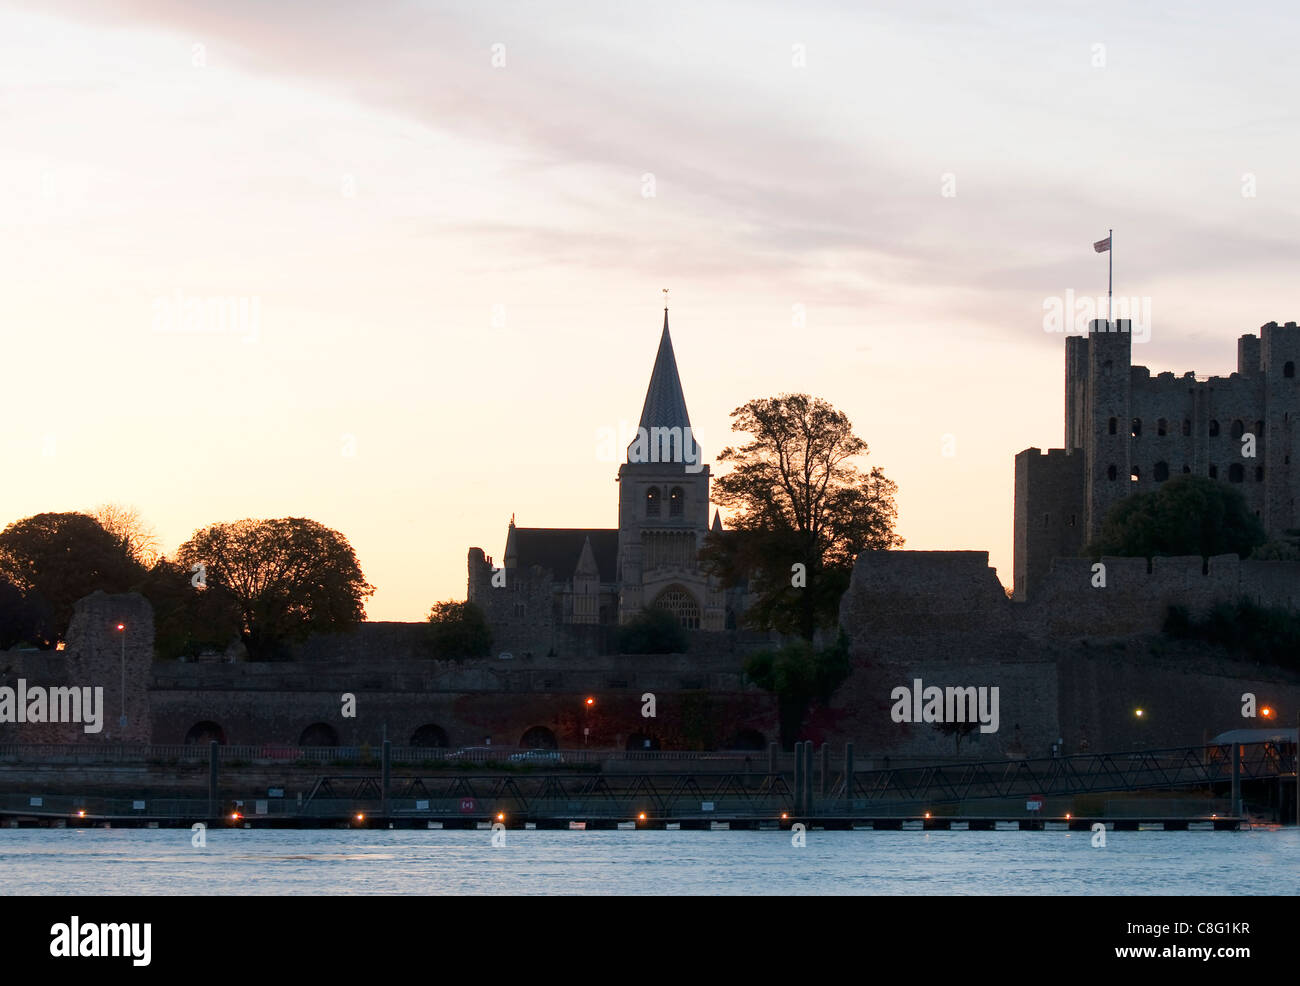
pixel 957 730
pixel 652 631
pixel 22 620
pixel 126 525
pixel 798 674
pixel 189 618
pixel 1187 515
pixel 54 559
pixel 286 579
pixel 459 630
pixel 802 511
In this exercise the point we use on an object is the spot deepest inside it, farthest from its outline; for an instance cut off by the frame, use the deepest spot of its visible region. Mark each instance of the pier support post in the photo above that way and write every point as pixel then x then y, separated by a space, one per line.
pixel 773 750
pixel 823 782
pixel 212 779
pixel 386 772
pixel 1236 780
pixel 798 778
pixel 807 778
pixel 1297 770
pixel 848 777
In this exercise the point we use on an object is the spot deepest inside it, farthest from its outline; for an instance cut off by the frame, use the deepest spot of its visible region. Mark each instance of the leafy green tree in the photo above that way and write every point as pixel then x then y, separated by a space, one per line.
pixel 652 631
pixel 799 674
pixel 801 511
pixel 1188 515
pixel 286 579
pixel 54 559
pixel 458 630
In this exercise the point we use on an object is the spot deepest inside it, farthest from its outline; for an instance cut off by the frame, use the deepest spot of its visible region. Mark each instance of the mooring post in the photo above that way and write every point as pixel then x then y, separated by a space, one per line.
pixel 1236 780
pixel 1297 769
pixel 386 771
pixel 848 776
pixel 823 782
pixel 212 779
pixel 798 778
pixel 807 777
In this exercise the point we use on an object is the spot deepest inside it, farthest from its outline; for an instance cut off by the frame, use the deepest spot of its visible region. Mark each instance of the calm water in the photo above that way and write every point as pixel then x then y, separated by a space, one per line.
pixel 133 861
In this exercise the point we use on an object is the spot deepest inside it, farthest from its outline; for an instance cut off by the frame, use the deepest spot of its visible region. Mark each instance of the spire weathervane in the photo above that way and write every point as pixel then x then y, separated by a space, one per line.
pixel 665 299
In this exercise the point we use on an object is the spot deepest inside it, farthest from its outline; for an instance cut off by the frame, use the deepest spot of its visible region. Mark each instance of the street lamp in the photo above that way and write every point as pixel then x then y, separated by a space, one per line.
pixel 586 721
pixel 121 721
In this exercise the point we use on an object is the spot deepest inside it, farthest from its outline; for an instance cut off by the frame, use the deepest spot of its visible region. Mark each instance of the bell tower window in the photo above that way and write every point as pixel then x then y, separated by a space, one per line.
pixel 652 502
pixel 676 502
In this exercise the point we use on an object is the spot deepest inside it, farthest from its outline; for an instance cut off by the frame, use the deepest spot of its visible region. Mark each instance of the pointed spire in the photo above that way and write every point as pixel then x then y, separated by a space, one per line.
pixel 717 522
pixel 587 562
pixel 665 403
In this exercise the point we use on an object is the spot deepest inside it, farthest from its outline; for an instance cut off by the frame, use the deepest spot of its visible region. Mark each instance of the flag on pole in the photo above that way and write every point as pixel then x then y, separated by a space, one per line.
pixel 1101 246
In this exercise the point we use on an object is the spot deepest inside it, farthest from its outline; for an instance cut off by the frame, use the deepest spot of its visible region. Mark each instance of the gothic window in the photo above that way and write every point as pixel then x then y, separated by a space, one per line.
pixel 1114 425
pixel 681 605
pixel 1214 429
pixel 652 502
pixel 1214 472
pixel 1235 473
pixel 1288 369
pixel 1238 429
pixel 1187 427
pixel 1111 472
pixel 1162 427
pixel 676 502
pixel 1137 427
pixel 1137 475
pixel 1259 429
pixel 1161 471
pixel 1105 368
pixel 1186 470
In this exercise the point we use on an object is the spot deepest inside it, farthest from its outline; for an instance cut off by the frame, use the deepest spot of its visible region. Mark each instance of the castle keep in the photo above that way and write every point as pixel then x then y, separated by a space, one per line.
pixel 1127 432
pixel 558 586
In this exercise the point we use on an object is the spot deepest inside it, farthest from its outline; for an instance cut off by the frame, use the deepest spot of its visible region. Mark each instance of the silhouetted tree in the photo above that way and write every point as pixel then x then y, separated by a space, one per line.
pixel 23 620
pixel 798 501
pixel 287 579
pixel 1187 515
pixel 458 630
pixel 125 524
pixel 189 618
pixel 56 558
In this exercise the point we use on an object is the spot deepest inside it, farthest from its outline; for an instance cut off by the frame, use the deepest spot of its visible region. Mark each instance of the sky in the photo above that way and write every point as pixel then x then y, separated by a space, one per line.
pixel 396 266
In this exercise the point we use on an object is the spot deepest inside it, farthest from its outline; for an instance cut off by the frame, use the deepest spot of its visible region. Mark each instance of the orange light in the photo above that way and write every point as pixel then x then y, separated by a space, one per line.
pixel 81 814
pixel 784 815
pixel 591 701
pixel 1266 712
pixel 1139 713
pixel 121 626
pixel 1067 814
pixel 360 817
pixel 927 814
pixel 501 816
pixel 234 816
pixel 641 816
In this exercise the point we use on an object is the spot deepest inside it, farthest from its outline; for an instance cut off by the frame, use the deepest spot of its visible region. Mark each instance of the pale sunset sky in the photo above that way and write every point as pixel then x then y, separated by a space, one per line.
pixel 450 224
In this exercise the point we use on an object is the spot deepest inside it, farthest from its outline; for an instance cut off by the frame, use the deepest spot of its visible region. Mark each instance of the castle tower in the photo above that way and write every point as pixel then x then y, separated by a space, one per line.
pixel 1108 465
pixel 663 507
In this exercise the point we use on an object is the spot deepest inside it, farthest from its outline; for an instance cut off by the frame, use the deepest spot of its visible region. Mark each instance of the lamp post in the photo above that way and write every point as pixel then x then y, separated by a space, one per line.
pixel 121 721
pixel 586 719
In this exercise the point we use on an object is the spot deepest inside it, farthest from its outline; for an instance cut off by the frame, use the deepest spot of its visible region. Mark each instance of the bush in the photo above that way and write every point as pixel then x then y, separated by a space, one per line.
pixel 652 631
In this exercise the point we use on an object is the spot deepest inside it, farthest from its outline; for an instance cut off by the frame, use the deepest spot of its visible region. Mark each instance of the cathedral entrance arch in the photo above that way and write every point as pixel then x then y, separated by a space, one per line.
pixel 681 604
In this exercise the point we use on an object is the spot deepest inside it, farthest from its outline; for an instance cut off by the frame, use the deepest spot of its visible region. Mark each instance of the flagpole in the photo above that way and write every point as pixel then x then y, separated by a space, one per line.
pixel 1110 275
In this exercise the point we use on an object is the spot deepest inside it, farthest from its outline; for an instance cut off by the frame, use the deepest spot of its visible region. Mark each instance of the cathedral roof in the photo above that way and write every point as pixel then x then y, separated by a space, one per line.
pixel 560 549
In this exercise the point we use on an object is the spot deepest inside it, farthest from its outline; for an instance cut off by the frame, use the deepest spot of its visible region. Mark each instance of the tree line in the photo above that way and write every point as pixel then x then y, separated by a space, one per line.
pixel 265 584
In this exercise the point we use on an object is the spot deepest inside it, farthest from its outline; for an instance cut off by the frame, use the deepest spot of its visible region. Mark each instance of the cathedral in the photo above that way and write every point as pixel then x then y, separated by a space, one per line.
pixel 556 587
